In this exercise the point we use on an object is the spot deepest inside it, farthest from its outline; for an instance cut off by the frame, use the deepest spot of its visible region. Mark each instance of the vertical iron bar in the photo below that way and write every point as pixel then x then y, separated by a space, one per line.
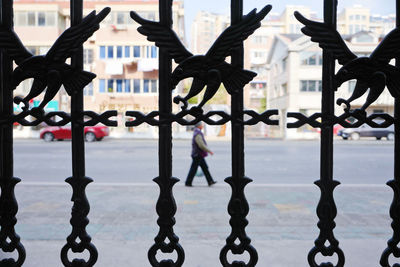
pixel 238 207
pixel 164 100
pixel 9 240
pixel 237 102
pixel 392 247
pixel 326 209
pixel 166 240
pixel 79 240
pixel 78 138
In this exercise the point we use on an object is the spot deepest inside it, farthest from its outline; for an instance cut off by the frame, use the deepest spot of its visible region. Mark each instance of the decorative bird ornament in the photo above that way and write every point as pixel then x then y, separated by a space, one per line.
pixel 50 71
pixel 373 72
pixel 208 70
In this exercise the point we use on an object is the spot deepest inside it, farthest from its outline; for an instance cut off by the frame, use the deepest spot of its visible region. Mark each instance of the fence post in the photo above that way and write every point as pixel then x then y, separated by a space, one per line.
pixel 9 239
pixel 395 183
pixel 79 240
pixel 166 240
pixel 326 209
pixel 238 207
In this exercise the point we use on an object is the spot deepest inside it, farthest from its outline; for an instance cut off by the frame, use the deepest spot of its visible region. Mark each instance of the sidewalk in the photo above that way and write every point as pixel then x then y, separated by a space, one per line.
pixel 282 222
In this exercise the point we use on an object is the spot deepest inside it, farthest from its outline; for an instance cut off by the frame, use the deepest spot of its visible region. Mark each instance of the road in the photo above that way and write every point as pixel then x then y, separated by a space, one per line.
pixel 282 200
pixel 267 162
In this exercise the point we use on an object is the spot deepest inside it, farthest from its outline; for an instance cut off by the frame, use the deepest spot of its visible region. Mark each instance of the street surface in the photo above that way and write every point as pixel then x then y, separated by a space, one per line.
pixel 282 200
pixel 267 162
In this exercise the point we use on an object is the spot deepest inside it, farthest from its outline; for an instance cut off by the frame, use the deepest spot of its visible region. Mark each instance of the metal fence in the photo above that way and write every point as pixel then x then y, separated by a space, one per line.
pixel 51 71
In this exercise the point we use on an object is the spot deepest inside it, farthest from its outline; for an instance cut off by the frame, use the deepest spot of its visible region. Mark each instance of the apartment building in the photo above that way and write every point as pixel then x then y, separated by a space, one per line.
pixel 358 18
pixel 295 79
pixel 126 64
pixel 208 26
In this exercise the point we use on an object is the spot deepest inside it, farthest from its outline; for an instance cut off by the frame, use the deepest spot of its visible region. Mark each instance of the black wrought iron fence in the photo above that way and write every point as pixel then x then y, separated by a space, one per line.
pixel 50 72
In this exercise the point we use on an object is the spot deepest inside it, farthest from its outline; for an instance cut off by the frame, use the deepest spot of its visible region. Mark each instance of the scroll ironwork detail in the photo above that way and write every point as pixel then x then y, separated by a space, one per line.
pixel 208 70
pixel 374 72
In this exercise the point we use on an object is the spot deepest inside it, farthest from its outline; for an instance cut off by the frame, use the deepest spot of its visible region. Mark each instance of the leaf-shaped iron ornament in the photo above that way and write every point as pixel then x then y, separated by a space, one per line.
pixel 50 71
pixel 372 72
pixel 207 70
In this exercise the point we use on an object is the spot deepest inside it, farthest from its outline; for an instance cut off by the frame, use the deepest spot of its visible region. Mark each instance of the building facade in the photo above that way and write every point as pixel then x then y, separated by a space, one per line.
pixel 295 80
pixel 126 64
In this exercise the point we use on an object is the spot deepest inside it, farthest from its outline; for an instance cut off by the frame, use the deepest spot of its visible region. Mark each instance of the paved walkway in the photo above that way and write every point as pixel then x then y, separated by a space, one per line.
pixel 282 222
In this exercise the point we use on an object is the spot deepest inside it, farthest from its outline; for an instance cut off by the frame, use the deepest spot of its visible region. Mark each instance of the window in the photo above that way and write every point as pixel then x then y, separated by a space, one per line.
pixel 311 86
pixel 127 51
pixel 136 51
pixel 260 39
pixel 102 86
pixel 121 17
pixel 119 86
pixel 88 56
pixel 50 18
pixel 119 51
pixel 147 51
pixel 153 52
pixel 311 58
pixel 110 53
pixel 154 86
pixel 31 19
pixel 88 89
pixel 102 52
pixel 21 19
pixel 127 86
pixel 41 19
pixel 303 86
pixel 110 86
pixel 136 86
pixel 146 86
pixel 284 62
pixel 118 17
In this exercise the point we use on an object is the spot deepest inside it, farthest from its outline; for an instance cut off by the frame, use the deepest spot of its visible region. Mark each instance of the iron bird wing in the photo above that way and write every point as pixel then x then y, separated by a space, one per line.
pixel 389 47
pixel 73 38
pixel 13 45
pixel 234 35
pixel 164 37
pixel 327 38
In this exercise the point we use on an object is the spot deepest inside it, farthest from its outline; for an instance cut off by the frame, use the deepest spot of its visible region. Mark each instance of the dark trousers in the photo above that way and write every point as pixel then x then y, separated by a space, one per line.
pixel 199 160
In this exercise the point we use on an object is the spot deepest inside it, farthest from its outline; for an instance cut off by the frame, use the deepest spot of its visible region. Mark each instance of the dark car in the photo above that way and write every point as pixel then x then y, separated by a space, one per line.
pixel 367 131
pixel 92 133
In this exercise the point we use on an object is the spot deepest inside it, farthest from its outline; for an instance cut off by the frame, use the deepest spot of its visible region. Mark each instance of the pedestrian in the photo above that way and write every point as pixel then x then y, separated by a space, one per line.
pixel 199 152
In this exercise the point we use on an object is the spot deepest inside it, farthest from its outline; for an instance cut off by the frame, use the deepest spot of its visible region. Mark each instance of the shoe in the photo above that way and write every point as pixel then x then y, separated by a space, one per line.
pixel 212 182
pixel 188 185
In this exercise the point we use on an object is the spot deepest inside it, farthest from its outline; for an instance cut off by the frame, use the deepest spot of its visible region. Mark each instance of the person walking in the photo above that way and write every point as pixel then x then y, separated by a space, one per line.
pixel 199 152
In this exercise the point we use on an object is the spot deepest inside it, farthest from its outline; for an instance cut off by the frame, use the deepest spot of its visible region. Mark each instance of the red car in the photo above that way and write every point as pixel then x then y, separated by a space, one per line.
pixel 92 133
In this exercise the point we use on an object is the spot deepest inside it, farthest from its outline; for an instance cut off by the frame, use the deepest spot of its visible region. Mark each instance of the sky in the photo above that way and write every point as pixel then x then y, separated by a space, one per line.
pixel 382 7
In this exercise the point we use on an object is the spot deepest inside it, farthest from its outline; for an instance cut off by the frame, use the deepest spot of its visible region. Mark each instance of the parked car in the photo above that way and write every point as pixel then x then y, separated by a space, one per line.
pixel 336 129
pixel 367 131
pixel 92 133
